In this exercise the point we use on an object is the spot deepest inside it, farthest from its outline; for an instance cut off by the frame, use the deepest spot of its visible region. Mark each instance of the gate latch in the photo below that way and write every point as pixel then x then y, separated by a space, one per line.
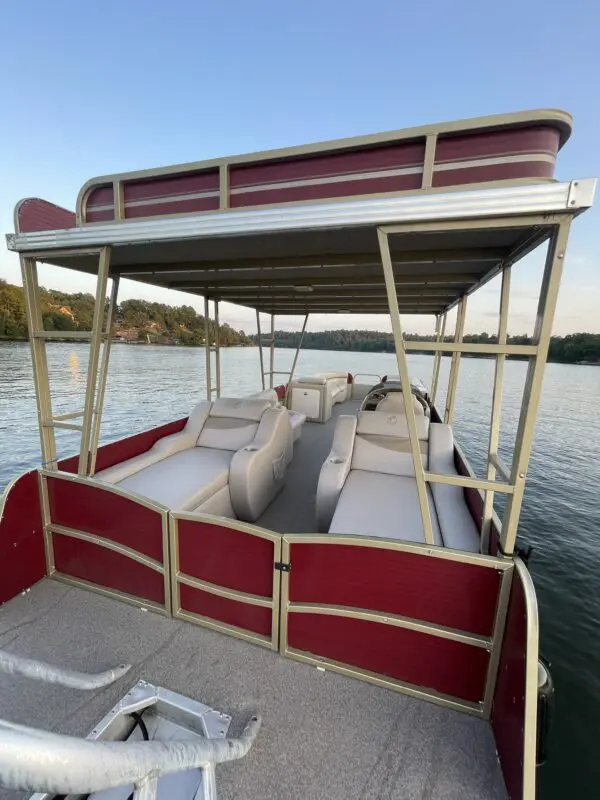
pixel 283 567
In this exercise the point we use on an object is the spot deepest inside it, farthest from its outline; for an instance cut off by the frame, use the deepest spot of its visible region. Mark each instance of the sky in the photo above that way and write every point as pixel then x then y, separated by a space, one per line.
pixel 101 87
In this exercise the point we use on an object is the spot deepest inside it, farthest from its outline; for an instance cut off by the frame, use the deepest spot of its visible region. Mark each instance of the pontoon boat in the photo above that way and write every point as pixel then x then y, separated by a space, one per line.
pixel 318 556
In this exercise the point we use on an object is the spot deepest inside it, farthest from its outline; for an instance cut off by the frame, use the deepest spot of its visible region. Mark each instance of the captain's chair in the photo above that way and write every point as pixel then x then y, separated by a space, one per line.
pixel 229 460
pixel 393 403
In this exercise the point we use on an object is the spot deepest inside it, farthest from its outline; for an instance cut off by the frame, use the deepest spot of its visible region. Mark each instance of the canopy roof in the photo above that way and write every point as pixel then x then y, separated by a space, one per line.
pixel 324 257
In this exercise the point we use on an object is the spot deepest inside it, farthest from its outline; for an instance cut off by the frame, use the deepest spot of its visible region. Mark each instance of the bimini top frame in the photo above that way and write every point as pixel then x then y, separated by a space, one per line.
pixel 420 254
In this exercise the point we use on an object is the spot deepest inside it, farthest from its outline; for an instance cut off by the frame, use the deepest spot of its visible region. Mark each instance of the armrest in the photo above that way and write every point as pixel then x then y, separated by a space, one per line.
pixel 257 471
pixel 335 470
pixel 163 448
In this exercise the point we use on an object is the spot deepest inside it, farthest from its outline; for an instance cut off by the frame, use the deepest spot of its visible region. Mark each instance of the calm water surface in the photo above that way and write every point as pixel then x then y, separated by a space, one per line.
pixel 561 515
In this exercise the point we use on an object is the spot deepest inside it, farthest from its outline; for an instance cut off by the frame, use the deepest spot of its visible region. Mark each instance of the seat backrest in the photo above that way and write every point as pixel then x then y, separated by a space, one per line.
pixel 393 403
pixel 232 423
pixel 266 394
pixel 382 443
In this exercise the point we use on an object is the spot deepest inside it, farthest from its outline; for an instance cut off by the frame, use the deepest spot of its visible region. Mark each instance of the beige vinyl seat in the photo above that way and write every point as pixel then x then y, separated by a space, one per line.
pixel 393 403
pixel 229 460
pixel 297 419
pixel 367 484
pixel 315 396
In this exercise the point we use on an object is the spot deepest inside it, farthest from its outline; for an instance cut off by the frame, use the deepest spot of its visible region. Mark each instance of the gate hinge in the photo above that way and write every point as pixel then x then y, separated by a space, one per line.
pixel 283 567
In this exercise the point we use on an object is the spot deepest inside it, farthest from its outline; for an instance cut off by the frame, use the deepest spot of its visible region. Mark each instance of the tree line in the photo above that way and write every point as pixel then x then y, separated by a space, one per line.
pixel 134 319
pixel 576 348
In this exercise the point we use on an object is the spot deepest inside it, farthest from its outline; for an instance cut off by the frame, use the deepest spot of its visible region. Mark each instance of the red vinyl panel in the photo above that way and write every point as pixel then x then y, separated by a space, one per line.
pixel 322 191
pixel 508 711
pixel 461 146
pixel 22 557
pixel 494 172
pixel 449 667
pixel 243 615
pixel 123 449
pixel 93 509
pixel 35 215
pixel 226 557
pixel 450 593
pixel 164 186
pixel 106 568
pixel 366 159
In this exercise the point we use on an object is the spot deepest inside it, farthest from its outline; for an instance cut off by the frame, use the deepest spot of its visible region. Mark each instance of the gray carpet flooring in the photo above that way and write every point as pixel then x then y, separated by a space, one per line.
pixel 323 735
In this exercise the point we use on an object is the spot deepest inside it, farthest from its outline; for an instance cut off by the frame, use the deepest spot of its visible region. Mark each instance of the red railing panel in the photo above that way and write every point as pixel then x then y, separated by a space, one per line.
pixel 257 619
pixel 446 666
pixel 22 557
pixel 227 557
pixel 508 712
pixel 108 569
pixel 91 508
pixel 441 591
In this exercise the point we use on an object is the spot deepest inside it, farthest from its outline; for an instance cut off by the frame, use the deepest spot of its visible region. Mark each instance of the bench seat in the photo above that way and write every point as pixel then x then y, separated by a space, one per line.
pixel 367 486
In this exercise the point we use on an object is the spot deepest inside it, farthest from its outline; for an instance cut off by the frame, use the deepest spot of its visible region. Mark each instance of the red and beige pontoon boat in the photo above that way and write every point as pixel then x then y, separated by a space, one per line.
pixel 318 556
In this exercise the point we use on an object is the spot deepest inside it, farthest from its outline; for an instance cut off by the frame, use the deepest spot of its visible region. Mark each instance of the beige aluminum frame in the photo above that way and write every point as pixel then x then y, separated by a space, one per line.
pixel 177 578
pixel 492 644
pixel 533 383
pixel 440 332
pixel 428 133
pixel 494 465
pixel 558 226
pixel 531 681
pixel 208 349
pixel 455 363
pixel 96 375
pixel 388 270
pixel 51 529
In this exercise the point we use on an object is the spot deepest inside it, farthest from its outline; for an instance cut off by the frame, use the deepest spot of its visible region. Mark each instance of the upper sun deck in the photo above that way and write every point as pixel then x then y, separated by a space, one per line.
pixel 295 230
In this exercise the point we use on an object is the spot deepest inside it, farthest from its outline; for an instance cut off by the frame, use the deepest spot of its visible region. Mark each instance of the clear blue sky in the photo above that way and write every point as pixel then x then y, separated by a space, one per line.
pixel 107 86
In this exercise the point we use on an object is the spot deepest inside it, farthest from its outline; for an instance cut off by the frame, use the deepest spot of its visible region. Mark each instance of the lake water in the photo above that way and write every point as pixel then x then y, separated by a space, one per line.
pixel 561 514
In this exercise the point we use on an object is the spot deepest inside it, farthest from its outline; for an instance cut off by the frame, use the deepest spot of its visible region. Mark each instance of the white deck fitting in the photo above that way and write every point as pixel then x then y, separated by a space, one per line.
pixel 323 735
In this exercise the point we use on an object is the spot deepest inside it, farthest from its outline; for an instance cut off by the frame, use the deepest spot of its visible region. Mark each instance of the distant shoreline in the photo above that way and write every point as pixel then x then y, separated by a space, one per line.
pixel 5 340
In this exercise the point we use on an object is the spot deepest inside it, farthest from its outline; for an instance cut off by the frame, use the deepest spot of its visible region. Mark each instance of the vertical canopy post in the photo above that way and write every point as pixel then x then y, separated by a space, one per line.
pixel 533 383
pixel 260 349
pixel 440 331
pixel 41 379
pixel 217 350
pixel 297 353
pixel 496 413
pixel 390 285
pixel 92 375
pixel 453 379
pixel 272 352
pixel 110 317
pixel 207 349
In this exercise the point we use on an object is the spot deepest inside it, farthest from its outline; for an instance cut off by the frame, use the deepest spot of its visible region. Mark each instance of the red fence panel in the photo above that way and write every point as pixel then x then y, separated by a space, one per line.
pixel 224 576
pixel 420 618
pixel 22 558
pixel 515 698
pixel 114 541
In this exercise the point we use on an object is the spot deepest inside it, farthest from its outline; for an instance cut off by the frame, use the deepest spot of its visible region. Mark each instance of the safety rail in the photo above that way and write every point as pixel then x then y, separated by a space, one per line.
pixel 48 673
pixel 34 760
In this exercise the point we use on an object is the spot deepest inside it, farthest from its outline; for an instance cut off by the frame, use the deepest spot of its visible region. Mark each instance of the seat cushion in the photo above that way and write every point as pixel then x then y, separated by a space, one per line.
pixel 374 504
pixel 458 528
pixel 182 481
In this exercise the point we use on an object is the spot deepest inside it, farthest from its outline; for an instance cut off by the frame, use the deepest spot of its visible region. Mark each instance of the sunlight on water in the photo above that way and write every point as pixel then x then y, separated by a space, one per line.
pixel 150 385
